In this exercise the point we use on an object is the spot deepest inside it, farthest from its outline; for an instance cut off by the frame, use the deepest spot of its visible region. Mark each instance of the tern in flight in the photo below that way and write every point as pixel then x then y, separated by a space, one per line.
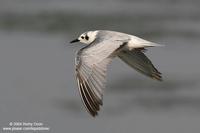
pixel 92 61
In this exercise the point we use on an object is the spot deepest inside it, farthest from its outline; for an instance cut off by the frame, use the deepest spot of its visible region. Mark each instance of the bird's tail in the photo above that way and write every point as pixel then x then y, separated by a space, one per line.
pixel 151 44
pixel 137 60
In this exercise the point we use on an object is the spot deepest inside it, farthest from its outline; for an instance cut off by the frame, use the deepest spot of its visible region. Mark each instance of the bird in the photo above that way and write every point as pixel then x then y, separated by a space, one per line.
pixel 91 62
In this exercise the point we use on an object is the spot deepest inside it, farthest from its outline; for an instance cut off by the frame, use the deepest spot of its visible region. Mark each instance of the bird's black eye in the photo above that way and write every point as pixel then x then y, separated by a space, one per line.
pixel 87 38
pixel 82 37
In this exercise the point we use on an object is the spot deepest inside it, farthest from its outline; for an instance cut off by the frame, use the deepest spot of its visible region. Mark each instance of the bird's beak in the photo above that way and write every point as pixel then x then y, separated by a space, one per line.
pixel 76 40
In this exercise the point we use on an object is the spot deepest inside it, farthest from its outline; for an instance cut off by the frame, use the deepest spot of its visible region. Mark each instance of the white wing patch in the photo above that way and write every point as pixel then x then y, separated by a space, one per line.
pixel 91 67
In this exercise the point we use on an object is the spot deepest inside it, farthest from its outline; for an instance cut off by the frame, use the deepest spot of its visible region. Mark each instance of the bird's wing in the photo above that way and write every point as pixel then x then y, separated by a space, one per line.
pixel 137 60
pixel 91 66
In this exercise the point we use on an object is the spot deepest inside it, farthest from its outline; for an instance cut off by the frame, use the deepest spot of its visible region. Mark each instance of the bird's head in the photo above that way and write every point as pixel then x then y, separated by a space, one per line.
pixel 86 37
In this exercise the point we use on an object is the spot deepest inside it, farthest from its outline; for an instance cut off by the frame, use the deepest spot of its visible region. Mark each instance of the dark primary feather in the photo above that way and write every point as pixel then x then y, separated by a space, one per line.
pixel 88 96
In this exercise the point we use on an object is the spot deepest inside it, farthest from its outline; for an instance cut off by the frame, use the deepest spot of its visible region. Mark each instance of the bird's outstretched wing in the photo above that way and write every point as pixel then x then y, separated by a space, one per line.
pixel 91 66
pixel 138 60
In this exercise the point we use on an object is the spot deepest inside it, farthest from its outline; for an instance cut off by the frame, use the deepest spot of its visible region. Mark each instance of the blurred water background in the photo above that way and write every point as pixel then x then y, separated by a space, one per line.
pixel 37 81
